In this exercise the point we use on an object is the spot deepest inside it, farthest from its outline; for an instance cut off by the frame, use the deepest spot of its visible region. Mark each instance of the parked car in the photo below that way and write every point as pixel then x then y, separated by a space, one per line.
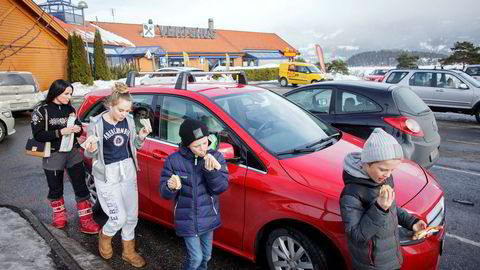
pixel 358 108
pixel 7 123
pixel 19 90
pixel 474 71
pixel 299 73
pixel 171 78
pixel 376 75
pixel 285 174
pixel 442 90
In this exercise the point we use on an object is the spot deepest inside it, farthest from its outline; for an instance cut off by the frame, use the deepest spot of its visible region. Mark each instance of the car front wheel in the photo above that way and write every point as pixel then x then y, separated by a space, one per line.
pixel 477 114
pixel 90 182
pixel 3 131
pixel 283 82
pixel 288 248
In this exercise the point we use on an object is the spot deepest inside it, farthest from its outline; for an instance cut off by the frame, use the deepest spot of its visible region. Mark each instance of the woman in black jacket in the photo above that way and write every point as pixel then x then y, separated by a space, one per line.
pixel 367 204
pixel 56 109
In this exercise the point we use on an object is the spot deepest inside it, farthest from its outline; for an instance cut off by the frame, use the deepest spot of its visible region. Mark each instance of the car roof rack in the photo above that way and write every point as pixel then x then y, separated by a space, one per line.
pixel 185 77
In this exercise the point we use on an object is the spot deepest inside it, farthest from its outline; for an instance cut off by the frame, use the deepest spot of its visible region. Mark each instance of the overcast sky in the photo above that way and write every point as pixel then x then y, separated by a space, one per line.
pixel 335 25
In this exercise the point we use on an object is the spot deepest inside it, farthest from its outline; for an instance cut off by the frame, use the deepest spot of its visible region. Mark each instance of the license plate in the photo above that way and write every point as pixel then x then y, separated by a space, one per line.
pixel 434 155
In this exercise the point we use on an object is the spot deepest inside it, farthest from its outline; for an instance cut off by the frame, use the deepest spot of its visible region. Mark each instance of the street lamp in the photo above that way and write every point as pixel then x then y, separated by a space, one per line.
pixel 83 5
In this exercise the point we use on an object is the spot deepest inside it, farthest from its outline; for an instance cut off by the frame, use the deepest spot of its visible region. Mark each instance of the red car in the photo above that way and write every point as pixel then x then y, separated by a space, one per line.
pixel 285 173
pixel 377 75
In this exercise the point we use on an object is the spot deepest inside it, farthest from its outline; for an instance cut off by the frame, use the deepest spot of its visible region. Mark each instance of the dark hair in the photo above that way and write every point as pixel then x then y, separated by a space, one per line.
pixel 119 91
pixel 55 90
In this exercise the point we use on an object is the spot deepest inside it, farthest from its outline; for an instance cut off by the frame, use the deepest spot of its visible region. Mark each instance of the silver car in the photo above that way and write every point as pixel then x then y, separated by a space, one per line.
pixel 19 90
pixel 7 123
pixel 442 90
pixel 474 71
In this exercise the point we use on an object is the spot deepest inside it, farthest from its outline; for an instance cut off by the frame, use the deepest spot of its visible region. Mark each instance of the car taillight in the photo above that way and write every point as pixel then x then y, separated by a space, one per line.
pixel 406 125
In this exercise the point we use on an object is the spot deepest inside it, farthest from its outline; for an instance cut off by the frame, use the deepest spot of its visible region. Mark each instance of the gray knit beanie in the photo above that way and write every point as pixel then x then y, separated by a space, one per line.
pixel 381 146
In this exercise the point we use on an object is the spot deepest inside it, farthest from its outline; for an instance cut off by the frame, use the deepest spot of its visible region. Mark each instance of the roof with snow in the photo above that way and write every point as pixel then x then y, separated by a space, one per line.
pixel 225 41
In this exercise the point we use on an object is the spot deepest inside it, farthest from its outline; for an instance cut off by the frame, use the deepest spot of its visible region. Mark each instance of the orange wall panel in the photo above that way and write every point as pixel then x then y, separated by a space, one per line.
pixel 37 50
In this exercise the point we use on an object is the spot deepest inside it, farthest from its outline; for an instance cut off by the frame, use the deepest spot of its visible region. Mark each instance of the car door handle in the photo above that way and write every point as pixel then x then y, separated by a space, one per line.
pixel 439 90
pixel 159 155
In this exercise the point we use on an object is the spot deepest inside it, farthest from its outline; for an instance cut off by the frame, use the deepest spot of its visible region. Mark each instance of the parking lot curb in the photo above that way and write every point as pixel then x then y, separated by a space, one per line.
pixel 71 254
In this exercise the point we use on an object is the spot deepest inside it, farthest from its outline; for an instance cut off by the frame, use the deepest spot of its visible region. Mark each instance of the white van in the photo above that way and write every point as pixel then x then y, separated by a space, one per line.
pixel 19 91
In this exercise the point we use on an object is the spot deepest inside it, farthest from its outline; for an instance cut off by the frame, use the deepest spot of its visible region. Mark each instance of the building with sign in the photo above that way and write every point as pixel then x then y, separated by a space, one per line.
pixel 165 45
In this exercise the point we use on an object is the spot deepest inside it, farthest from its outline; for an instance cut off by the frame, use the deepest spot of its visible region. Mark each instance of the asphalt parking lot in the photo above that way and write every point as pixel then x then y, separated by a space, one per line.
pixel 458 171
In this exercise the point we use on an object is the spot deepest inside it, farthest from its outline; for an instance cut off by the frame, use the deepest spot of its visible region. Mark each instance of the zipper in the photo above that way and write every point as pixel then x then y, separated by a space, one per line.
pixel 370 252
pixel 213 204
pixel 194 187
pixel 396 241
pixel 175 210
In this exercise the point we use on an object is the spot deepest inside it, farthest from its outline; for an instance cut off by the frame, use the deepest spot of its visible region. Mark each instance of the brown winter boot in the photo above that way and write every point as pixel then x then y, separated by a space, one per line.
pixel 105 245
pixel 130 255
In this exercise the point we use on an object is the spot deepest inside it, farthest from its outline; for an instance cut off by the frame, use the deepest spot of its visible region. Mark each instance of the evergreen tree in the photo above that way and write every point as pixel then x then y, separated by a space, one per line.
pixel 79 69
pixel 337 66
pixel 407 61
pixel 464 53
pixel 300 59
pixel 69 58
pixel 100 68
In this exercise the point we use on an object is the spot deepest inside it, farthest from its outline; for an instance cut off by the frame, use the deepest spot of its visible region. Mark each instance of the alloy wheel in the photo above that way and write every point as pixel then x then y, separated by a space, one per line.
pixel 287 254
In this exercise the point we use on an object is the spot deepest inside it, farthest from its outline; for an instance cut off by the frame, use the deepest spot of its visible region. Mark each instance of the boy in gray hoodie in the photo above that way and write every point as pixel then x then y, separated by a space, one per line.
pixel 367 204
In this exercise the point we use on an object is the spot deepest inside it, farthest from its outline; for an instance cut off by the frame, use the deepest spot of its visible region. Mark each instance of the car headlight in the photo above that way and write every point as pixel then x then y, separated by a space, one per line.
pixel 7 114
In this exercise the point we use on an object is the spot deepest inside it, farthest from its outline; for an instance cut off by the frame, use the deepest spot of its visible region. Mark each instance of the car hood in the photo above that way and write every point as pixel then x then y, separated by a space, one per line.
pixel 323 170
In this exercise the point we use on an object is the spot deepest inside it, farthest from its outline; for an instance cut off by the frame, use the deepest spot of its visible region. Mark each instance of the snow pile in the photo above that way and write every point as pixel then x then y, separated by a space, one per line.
pixel 80 89
pixel 341 77
pixel 20 245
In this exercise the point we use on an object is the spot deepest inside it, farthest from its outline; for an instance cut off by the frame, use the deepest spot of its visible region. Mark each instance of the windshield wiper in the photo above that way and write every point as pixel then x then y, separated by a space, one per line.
pixel 296 151
pixel 323 140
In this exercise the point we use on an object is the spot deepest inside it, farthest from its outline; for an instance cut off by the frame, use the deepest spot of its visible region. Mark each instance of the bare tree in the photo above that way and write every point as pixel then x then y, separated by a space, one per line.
pixel 9 50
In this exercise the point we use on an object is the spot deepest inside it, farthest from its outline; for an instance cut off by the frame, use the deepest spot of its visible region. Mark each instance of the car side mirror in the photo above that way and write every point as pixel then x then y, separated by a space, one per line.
pixel 227 150
pixel 463 86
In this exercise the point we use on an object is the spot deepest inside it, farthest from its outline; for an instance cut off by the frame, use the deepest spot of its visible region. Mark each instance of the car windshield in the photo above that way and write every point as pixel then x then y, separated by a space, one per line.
pixel 276 123
pixel 7 79
pixel 313 69
pixel 470 79
pixel 379 72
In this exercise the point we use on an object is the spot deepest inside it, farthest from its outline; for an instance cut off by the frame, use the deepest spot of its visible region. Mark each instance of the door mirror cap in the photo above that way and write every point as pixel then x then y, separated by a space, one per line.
pixel 463 86
pixel 227 150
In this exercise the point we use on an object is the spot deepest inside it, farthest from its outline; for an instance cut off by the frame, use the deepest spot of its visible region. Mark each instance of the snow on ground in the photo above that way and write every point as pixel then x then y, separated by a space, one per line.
pixel 20 245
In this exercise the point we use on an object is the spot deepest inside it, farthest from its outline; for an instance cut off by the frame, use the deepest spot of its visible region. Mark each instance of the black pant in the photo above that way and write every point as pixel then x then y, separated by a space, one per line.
pixel 77 177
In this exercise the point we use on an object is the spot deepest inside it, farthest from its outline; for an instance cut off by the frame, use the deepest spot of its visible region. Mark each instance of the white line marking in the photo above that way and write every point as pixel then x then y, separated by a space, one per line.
pixel 464 142
pixel 464 240
pixel 456 170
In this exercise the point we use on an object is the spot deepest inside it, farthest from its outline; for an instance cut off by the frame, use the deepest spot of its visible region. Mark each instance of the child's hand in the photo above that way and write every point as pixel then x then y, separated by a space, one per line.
pixel 211 163
pixel 143 133
pixel 420 225
pixel 174 182
pixel 386 197
pixel 92 147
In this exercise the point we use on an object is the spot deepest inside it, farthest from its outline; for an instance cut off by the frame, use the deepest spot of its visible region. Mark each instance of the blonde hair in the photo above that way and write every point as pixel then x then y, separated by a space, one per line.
pixel 119 91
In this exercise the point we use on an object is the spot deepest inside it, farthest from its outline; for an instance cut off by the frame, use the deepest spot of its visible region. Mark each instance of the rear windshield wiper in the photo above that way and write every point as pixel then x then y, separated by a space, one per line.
pixel 323 140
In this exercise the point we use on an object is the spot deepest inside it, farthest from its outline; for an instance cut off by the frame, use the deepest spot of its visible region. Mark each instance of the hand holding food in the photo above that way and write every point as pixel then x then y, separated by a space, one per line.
pixel 426 232
pixel 90 144
pixel 385 197
pixel 146 125
pixel 174 182
pixel 211 163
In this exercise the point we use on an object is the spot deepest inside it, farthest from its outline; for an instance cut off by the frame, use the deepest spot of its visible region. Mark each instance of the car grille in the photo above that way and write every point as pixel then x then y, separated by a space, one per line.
pixel 437 215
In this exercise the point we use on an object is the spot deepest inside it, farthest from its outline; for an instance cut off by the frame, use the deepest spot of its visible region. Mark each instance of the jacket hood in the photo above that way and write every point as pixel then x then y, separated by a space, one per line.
pixel 353 166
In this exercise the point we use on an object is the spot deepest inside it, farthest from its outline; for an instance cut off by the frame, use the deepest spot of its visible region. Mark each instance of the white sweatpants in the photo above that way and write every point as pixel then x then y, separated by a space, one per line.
pixel 118 197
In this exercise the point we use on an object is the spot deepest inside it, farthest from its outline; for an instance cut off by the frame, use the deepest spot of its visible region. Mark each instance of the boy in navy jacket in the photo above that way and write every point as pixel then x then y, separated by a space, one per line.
pixel 194 177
